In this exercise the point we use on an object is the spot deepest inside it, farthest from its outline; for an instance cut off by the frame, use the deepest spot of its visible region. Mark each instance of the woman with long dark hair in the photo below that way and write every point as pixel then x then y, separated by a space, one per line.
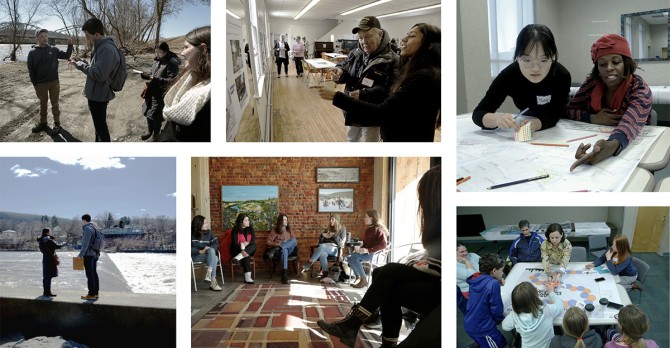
pixel 187 102
pixel 411 112
pixel 49 259
pixel 243 245
pixel 204 248
pixel 282 236
pixel 414 285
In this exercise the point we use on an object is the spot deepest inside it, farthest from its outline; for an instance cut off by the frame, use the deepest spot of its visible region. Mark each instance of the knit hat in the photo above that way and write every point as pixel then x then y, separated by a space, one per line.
pixel 367 23
pixel 39 31
pixel 163 46
pixel 336 217
pixel 610 44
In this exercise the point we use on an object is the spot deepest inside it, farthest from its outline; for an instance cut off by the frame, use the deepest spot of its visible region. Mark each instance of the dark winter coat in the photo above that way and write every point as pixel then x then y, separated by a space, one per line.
pixel 371 74
pixel 235 244
pixel 48 248
pixel 163 70
pixel 43 63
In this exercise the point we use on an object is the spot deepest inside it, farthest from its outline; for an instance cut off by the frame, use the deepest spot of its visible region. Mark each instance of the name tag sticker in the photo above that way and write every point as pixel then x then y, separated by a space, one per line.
pixel 543 99
pixel 367 82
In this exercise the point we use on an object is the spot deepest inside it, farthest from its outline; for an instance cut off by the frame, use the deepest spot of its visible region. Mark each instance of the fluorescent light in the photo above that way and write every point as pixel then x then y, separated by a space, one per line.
pixel 364 7
pixel 304 10
pixel 232 14
pixel 410 11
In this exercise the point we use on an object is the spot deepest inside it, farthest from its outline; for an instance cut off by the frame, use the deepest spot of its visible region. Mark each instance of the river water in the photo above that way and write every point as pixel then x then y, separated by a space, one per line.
pixel 140 273
pixel 22 53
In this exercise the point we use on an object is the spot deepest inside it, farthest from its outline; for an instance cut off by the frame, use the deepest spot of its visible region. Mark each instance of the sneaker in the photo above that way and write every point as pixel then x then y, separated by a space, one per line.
pixel 214 286
pixel 39 128
pixel 55 130
pixel 306 267
pixel 208 275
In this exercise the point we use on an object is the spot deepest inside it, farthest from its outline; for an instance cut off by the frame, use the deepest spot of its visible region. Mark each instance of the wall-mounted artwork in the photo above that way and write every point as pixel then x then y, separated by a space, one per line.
pixel 337 174
pixel 241 86
pixel 236 55
pixel 336 200
pixel 260 203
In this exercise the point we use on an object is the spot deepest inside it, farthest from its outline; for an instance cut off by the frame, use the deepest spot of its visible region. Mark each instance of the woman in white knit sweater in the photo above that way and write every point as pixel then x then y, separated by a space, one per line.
pixel 187 102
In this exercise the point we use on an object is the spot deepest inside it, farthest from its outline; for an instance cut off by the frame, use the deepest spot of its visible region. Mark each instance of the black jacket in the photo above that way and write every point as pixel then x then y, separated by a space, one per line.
pixel 235 244
pixel 48 248
pixel 43 63
pixel 277 50
pixel 163 70
pixel 406 115
pixel 198 131
pixel 372 74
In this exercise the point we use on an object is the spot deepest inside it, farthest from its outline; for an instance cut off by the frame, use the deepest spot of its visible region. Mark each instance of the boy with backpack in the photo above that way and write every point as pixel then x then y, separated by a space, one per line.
pixel 89 241
pixel 105 74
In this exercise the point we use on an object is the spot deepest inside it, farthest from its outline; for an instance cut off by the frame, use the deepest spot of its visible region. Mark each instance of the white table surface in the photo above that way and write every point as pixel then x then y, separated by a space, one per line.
pixel 493 157
pixel 320 63
pixel 336 55
pixel 601 316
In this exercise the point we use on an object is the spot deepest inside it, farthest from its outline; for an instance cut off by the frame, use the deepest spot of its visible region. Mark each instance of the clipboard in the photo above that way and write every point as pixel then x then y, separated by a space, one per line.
pixel 78 263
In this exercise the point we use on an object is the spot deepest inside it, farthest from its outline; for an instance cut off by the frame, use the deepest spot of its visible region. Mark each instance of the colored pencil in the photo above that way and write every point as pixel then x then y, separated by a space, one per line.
pixel 521 113
pixel 462 180
pixel 548 144
pixel 518 182
pixel 588 136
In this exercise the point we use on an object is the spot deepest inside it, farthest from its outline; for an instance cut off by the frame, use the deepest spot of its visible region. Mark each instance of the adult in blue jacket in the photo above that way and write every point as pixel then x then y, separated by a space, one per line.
pixel 526 248
pixel 619 261
pixel 485 306
pixel 90 256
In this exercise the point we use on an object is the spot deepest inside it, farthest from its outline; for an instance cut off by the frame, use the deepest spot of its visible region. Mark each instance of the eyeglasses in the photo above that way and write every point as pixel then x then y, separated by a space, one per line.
pixel 527 62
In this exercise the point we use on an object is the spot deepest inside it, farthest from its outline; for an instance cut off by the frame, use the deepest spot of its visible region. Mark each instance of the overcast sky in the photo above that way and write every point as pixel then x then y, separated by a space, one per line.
pixel 71 186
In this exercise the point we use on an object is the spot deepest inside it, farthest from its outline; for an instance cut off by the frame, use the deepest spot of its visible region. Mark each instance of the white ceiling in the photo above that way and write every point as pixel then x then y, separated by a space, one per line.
pixel 656 18
pixel 331 9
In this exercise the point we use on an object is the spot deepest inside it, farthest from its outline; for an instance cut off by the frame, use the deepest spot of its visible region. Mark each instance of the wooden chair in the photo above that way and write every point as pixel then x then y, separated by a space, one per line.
pixel 204 264
pixel 292 258
pixel 252 265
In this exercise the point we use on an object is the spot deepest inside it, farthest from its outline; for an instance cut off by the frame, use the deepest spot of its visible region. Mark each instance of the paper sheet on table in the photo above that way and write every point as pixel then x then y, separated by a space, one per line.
pixel 493 157
pixel 591 229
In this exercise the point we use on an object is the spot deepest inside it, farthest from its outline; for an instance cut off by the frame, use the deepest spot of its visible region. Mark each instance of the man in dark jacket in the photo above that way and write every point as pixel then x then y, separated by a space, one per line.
pixel 43 70
pixel 526 248
pixel 367 73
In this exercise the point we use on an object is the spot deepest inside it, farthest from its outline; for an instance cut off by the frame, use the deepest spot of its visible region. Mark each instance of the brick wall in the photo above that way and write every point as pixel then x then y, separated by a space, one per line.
pixel 298 190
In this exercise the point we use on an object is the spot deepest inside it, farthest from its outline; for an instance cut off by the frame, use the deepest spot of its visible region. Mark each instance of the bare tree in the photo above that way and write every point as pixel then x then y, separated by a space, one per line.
pixel 20 13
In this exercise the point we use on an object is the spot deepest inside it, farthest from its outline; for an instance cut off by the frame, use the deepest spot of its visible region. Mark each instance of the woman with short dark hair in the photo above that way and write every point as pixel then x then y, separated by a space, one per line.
pixel 164 69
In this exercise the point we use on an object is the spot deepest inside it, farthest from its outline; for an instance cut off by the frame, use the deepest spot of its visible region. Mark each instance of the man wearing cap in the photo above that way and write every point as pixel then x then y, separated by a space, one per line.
pixel 367 73
pixel 612 95
pixel 43 70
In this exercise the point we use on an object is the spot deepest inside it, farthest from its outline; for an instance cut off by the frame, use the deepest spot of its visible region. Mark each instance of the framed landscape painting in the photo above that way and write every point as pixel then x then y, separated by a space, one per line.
pixel 260 203
pixel 337 174
pixel 336 200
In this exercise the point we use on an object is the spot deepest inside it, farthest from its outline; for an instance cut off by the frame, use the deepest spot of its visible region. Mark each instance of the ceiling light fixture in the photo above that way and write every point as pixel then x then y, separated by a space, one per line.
pixel 232 14
pixel 304 10
pixel 410 11
pixel 364 7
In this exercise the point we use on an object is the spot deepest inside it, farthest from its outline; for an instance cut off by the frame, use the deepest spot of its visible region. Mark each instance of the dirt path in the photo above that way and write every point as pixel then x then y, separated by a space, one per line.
pixel 19 107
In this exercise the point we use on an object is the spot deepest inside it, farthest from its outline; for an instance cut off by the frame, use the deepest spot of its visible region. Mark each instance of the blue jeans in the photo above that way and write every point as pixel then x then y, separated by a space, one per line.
pixel 210 257
pixel 286 250
pixel 354 261
pixel 91 268
pixel 322 253
pixel 99 115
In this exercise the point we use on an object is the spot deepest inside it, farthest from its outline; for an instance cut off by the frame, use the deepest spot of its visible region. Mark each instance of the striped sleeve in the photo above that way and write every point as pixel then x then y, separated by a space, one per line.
pixel 637 112
pixel 578 108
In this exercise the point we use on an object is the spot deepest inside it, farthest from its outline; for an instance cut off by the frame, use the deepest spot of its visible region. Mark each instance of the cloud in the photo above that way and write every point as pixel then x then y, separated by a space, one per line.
pixel 22 172
pixel 174 194
pixel 91 163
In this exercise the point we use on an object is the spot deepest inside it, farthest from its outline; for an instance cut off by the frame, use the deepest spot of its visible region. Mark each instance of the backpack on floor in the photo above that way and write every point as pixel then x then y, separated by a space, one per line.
pixel 334 272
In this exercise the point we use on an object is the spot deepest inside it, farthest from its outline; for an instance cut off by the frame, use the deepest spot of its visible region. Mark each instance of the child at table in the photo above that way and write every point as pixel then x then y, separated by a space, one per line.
pixel 485 307
pixel 531 318
pixel 576 333
pixel 555 250
pixel 633 324
pixel 619 261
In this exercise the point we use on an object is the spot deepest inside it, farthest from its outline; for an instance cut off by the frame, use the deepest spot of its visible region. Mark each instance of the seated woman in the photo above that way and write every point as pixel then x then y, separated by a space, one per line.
pixel 468 264
pixel 633 324
pixel 332 239
pixel 619 261
pixel 415 92
pixel 243 245
pixel 612 95
pixel 204 247
pixel 415 285
pixel 536 81
pixel 282 236
pixel 556 251
pixel 374 240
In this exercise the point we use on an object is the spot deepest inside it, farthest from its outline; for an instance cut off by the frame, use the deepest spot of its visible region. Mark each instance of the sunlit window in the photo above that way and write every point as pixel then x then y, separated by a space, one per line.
pixel 506 19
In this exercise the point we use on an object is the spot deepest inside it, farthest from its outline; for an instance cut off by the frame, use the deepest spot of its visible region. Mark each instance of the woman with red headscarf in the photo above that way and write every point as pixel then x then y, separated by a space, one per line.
pixel 612 95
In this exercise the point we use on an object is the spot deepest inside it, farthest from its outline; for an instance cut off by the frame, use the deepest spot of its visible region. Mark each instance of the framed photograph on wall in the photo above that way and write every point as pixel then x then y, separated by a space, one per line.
pixel 338 174
pixel 260 203
pixel 336 200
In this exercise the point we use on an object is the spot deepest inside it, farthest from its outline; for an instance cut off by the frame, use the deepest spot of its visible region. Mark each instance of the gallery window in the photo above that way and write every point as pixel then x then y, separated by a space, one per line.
pixel 506 19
